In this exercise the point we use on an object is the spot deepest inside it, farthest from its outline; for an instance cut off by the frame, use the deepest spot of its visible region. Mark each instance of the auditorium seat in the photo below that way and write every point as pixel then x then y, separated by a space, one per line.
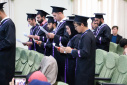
pixel 119 76
pixel 111 60
pixel 120 50
pixel 113 47
pixel 100 54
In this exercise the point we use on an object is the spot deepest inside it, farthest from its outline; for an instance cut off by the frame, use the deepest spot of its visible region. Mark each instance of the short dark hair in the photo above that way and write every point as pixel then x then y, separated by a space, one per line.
pixel 41 14
pixel 79 23
pixel 123 42
pixel 31 19
pixel 1 10
pixel 115 27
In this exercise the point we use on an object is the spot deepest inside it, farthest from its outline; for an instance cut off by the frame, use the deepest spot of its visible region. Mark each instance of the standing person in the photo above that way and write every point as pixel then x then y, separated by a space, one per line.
pixel 94 25
pixel 84 54
pixel 60 37
pixel 70 61
pixel 115 37
pixel 7 47
pixel 103 33
pixel 48 44
pixel 31 18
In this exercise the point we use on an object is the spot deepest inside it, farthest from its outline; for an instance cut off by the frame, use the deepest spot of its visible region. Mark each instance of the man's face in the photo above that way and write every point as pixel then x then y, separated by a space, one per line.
pixel 94 25
pixel 50 26
pixel 30 21
pixel 56 16
pixel 114 31
pixel 78 28
pixel 39 18
pixel 98 21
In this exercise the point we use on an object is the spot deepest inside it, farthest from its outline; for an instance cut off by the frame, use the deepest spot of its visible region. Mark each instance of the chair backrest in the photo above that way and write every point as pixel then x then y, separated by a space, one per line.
pixel 18 52
pixel 24 58
pixel 119 50
pixel 112 47
pixel 37 62
pixel 110 64
pixel 30 63
pixel 100 54
pixel 120 74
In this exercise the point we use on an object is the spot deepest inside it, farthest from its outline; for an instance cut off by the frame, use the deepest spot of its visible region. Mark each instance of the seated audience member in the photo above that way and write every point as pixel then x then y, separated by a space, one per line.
pixel 35 75
pixel 49 68
pixel 123 43
pixel 37 82
pixel 115 37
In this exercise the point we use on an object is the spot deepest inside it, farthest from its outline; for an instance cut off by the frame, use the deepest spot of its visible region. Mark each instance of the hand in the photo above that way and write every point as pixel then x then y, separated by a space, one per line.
pixel 27 43
pixel 51 35
pixel 12 82
pixel 47 36
pixel 61 49
pixel 24 43
pixel 31 36
pixel 68 49
pixel 36 37
pixel 38 42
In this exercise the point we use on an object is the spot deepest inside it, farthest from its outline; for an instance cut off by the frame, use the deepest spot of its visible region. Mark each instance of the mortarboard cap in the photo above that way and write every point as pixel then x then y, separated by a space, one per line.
pixel 92 18
pixel 71 17
pixel 30 15
pixel 41 12
pixel 1 5
pixel 50 19
pixel 99 15
pixel 58 9
pixel 81 19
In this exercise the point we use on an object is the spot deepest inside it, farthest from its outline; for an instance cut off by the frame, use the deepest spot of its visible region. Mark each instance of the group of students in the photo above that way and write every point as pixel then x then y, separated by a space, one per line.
pixel 70 42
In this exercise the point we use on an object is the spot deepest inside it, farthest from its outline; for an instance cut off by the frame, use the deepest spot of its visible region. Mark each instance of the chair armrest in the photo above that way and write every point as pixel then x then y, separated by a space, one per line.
pixel 97 78
pixel 111 84
pixel 18 72
pixel 96 74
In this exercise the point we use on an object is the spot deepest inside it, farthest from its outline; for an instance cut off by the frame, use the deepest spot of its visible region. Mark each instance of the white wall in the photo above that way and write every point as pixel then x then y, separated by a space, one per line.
pixel 21 7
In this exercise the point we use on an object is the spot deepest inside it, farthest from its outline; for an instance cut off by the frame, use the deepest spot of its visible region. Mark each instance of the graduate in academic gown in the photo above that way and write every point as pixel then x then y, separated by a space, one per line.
pixel 103 33
pixel 48 44
pixel 40 35
pixel 7 47
pixel 70 61
pixel 31 18
pixel 84 54
pixel 60 37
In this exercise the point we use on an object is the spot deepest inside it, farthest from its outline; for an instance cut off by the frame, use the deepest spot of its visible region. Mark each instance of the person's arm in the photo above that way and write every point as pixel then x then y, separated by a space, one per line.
pixel 105 37
pixel 9 39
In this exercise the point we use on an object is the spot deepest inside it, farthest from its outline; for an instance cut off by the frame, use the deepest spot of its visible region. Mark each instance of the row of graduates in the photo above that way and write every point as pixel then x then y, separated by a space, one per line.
pixel 69 41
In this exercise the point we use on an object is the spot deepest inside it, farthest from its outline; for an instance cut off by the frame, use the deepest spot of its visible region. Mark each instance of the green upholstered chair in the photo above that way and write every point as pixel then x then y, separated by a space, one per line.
pixel 113 47
pixel 100 54
pixel 119 76
pixel 23 60
pixel 30 63
pixel 119 50
pixel 110 64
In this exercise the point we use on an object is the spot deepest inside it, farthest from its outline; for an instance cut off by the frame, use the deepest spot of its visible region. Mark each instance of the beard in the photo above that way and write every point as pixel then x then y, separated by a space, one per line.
pixel 40 21
pixel 100 23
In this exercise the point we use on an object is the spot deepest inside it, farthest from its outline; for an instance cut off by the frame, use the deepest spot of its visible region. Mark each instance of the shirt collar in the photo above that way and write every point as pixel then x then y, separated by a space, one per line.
pixel 62 19
pixel 44 21
pixel 4 19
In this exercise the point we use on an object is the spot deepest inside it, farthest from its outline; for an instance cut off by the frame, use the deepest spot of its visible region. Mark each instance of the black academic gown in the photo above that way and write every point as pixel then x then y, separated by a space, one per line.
pixel 117 39
pixel 42 38
pixel 7 51
pixel 71 61
pixel 63 37
pixel 32 32
pixel 85 59
pixel 103 38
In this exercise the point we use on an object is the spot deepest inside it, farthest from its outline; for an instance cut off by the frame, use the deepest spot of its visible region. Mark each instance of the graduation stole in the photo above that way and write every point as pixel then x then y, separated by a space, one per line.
pixel 98 30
